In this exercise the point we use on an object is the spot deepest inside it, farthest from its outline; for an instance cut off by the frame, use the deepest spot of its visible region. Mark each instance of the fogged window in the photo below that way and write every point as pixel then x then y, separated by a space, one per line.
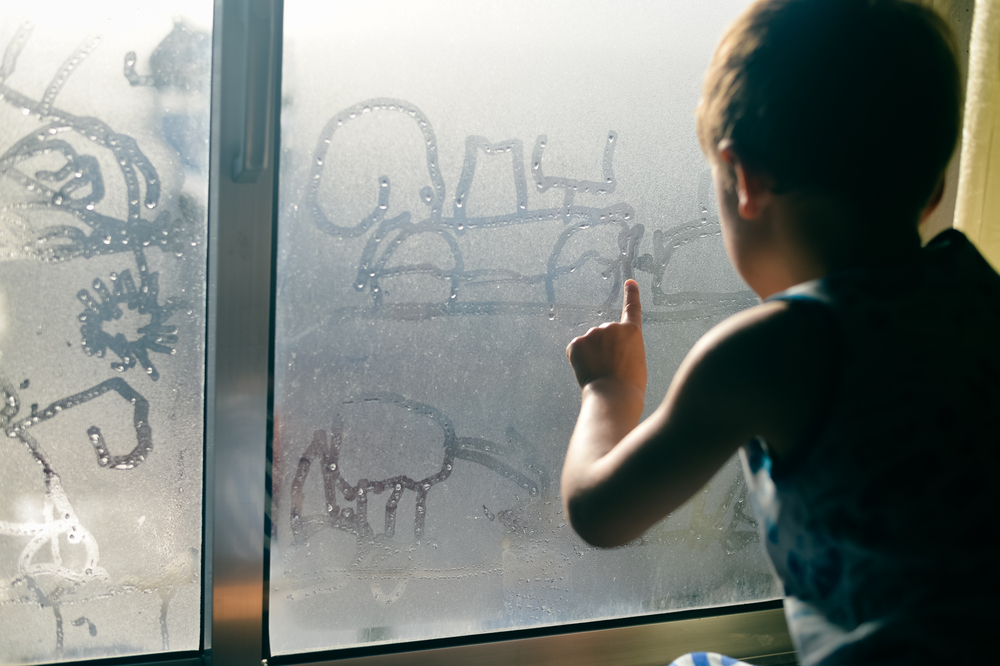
pixel 465 186
pixel 103 192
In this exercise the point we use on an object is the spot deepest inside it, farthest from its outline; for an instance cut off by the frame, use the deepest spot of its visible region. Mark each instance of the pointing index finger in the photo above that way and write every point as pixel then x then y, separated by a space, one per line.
pixel 631 308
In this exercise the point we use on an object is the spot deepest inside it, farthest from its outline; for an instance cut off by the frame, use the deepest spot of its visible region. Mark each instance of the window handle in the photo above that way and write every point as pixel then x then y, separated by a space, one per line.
pixel 257 52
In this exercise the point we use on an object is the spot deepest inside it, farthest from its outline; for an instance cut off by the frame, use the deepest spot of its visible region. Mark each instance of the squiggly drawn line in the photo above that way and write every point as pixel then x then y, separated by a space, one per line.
pixel 59 519
pixel 59 516
pixel 78 196
pixel 571 186
pixel 108 235
pixel 680 307
pixel 371 270
pixel 375 263
pixel 355 519
pixel 49 97
pixel 181 60
pixel 134 78
pixel 140 421
pixel 82 620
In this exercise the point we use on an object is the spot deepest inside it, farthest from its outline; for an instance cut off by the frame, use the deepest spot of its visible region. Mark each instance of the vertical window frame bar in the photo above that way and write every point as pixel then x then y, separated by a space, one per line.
pixel 238 360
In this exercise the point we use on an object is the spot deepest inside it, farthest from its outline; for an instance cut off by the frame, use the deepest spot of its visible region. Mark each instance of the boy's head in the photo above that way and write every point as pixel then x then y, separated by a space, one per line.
pixel 854 99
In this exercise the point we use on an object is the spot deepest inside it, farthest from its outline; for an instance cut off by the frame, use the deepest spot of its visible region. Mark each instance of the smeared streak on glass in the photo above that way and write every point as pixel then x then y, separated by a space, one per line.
pixel 178 572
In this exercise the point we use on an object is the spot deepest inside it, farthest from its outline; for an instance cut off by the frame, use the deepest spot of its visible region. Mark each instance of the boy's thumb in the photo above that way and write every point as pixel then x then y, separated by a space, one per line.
pixel 631 308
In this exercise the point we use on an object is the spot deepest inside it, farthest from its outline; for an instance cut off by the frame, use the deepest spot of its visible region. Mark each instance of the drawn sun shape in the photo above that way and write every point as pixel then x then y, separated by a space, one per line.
pixel 154 336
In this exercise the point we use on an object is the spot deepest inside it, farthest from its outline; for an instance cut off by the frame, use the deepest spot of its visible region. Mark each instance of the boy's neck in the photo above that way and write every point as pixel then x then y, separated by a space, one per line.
pixel 861 246
pixel 825 237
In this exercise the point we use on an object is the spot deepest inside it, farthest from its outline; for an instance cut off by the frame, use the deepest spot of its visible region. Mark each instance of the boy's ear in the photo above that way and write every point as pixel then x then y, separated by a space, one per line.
pixel 753 185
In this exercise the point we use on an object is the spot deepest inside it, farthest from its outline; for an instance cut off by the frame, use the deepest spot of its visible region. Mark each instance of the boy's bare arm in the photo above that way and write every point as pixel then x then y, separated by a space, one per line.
pixel 764 372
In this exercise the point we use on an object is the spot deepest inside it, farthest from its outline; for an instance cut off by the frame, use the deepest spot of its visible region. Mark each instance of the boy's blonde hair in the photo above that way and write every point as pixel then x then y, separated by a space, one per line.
pixel 858 99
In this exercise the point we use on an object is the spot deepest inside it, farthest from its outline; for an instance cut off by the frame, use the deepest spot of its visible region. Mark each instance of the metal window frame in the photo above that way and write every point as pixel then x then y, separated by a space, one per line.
pixel 242 243
pixel 242 223
pixel 242 234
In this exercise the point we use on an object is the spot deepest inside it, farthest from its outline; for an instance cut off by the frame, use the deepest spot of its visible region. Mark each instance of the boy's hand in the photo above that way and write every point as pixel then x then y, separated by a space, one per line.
pixel 613 350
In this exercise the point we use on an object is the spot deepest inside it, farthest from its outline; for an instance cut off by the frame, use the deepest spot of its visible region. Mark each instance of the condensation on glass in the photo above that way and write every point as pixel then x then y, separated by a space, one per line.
pixel 465 186
pixel 104 116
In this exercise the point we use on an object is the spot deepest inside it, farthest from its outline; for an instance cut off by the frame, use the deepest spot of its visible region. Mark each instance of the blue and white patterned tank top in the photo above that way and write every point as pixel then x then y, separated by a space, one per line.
pixel 882 526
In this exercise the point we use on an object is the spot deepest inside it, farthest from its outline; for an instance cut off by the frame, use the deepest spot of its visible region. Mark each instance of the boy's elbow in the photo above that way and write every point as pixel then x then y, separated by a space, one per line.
pixel 594 526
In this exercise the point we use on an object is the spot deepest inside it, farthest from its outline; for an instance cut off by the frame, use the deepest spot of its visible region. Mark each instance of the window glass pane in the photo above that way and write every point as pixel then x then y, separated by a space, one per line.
pixel 104 114
pixel 464 187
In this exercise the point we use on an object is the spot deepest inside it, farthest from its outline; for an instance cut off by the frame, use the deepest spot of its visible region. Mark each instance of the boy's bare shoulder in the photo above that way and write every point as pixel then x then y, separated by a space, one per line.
pixel 775 365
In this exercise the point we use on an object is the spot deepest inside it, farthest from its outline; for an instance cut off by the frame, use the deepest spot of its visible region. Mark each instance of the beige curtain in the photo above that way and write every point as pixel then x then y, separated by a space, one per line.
pixel 977 208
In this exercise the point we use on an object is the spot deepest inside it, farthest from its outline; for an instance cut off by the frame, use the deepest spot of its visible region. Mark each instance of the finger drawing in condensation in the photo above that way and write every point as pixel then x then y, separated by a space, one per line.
pixel 76 189
pixel 391 250
pixel 393 236
pixel 346 505
pixel 325 450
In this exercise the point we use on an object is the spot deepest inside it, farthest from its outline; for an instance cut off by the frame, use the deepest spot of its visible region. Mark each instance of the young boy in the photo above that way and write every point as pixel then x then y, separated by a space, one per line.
pixel 864 393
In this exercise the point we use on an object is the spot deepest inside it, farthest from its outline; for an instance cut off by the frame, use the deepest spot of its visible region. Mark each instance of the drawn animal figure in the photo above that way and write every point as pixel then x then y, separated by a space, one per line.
pixel 325 450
